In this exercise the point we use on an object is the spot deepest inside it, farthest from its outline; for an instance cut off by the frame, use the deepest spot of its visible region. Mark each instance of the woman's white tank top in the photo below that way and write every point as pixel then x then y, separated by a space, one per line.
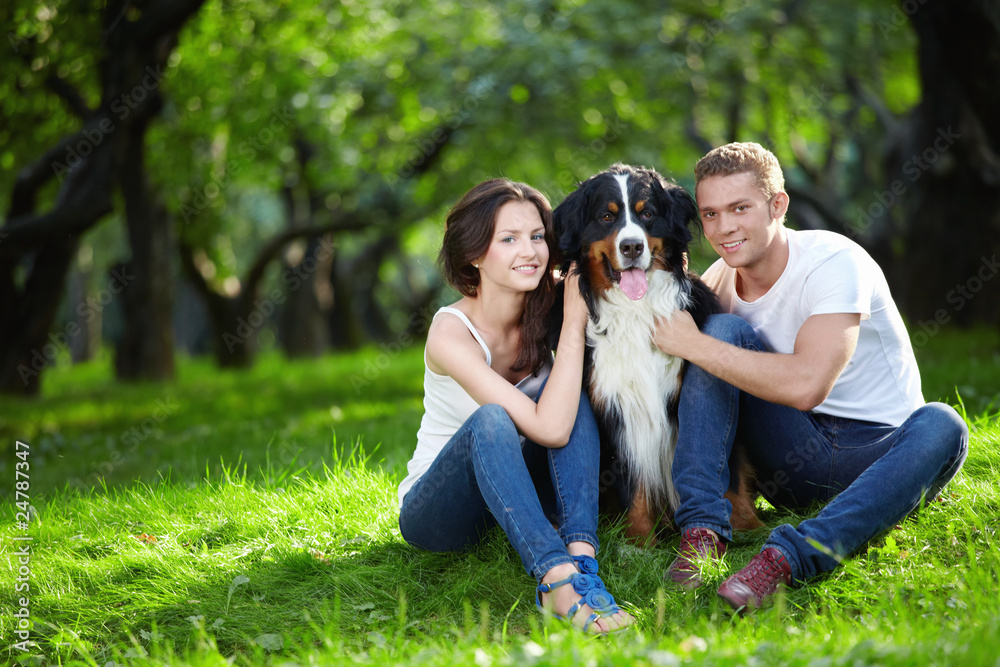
pixel 447 407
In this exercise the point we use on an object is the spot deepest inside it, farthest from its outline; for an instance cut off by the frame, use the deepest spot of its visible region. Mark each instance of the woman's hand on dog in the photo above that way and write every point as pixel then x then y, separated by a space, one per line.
pixel 676 335
pixel 574 306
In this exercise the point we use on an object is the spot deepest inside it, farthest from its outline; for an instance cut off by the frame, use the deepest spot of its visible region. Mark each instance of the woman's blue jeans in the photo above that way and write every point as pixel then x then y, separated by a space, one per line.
pixel 483 477
pixel 872 474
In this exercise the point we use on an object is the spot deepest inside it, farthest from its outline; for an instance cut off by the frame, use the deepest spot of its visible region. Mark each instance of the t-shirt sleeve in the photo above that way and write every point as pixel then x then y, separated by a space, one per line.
pixel 841 284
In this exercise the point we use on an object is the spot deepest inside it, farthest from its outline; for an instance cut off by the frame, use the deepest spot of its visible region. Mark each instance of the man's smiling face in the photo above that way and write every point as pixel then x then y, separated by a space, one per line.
pixel 739 222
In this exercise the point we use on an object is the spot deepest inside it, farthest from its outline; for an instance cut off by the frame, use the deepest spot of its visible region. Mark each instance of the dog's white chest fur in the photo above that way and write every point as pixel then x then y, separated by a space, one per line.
pixel 633 377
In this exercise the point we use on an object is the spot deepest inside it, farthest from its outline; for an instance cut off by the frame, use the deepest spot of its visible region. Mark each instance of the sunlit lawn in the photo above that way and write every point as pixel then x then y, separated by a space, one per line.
pixel 255 536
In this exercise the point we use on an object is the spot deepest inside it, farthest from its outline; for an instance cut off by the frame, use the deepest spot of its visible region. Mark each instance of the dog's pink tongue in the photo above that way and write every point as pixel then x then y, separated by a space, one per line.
pixel 633 283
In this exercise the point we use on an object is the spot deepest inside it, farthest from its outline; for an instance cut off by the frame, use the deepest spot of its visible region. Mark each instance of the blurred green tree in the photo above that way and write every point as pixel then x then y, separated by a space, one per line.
pixel 306 151
pixel 80 156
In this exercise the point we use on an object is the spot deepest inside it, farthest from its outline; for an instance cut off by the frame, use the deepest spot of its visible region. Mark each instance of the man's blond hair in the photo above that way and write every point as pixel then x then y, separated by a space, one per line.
pixel 740 158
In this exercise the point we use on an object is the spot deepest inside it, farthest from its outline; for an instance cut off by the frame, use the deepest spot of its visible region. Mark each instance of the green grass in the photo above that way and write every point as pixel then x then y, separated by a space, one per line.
pixel 283 413
pixel 256 523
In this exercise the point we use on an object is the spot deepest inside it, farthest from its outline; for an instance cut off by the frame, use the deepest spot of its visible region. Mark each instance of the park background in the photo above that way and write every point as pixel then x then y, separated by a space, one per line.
pixel 218 261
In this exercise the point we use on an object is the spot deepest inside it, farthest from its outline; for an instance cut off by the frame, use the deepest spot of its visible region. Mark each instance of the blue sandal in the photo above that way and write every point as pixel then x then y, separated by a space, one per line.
pixel 592 593
pixel 586 564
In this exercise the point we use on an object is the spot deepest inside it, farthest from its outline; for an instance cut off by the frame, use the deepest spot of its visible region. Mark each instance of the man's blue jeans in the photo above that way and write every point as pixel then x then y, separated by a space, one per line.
pixel 483 476
pixel 872 474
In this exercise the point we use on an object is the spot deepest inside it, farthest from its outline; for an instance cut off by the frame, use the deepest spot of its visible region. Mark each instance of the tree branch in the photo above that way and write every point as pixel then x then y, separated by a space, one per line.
pixel 84 199
pixel 735 106
pixel 802 160
pixel 814 200
pixel 192 272
pixel 886 117
pixel 69 94
pixel 162 18
pixel 274 245
pixel 61 87
pixel 31 178
pixel 696 137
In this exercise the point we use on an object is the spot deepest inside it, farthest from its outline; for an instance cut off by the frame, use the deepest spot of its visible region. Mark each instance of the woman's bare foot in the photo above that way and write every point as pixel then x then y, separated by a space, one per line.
pixel 561 599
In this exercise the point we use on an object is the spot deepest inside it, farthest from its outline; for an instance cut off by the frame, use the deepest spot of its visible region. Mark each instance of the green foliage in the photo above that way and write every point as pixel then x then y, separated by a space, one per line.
pixel 56 37
pixel 547 93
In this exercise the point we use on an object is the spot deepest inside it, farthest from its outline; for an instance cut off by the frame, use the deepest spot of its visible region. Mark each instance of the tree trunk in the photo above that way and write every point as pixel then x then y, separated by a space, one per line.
pixel 83 347
pixel 363 280
pixel 345 330
pixel 236 320
pixel 146 349
pixel 952 242
pixel 42 245
pixel 236 325
pixel 233 339
pixel 27 344
pixel 302 324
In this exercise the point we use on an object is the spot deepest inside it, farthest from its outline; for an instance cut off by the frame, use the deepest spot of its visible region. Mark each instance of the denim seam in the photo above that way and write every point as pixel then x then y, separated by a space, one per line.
pixel 727 531
pixel 557 483
pixel 561 505
pixel 583 537
pixel 835 454
pixel 514 525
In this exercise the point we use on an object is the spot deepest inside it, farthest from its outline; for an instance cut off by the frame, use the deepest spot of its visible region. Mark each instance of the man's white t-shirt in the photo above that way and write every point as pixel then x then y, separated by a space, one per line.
pixel 829 273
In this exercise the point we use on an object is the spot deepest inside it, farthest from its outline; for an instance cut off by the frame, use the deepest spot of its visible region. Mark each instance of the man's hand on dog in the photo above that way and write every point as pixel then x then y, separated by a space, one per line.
pixel 675 335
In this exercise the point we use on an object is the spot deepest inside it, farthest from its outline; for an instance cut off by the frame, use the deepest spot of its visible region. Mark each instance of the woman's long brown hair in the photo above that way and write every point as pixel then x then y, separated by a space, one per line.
pixel 467 235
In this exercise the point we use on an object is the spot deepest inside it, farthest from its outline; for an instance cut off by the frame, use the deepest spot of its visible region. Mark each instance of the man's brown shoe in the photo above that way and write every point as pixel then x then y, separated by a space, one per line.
pixel 758 581
pixel 696 544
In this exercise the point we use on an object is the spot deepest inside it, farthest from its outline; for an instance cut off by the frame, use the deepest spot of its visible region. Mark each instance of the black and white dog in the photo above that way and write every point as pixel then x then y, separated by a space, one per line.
pixel 628 231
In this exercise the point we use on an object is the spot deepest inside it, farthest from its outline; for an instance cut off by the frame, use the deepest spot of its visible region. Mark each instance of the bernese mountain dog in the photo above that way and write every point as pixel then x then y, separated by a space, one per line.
pixel 628 230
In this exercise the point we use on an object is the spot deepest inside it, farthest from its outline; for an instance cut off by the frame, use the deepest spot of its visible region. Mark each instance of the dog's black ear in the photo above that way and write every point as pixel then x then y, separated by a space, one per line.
pixel 684 205
pixel 568 220
pixel 680 213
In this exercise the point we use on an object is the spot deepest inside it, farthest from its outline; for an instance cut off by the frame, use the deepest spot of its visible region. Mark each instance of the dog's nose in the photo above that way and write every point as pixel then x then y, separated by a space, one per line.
pixel 630 248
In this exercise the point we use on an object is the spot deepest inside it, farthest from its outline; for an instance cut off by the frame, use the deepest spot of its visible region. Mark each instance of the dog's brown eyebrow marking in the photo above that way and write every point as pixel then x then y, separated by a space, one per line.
pixel 613 207
pixel 639 205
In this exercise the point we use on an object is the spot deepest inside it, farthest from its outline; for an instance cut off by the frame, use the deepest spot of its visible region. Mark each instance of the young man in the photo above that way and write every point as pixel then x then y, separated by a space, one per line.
pixel 814 373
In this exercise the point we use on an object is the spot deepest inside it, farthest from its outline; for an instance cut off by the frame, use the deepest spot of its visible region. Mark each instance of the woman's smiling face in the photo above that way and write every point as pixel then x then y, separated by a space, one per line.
pixel 518 255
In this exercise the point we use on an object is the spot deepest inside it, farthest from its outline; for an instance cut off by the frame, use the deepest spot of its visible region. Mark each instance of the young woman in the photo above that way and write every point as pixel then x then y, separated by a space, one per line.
pixel 487 452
